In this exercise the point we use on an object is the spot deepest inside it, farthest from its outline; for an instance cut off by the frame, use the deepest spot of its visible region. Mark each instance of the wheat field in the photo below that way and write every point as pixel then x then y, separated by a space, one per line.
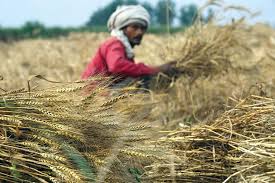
pixel 212 122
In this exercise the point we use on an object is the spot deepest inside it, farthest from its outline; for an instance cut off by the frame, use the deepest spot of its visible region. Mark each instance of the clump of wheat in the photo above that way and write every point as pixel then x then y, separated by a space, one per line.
pixel 72 133
pixel 86 132
pixel 203 51
pixel 238 147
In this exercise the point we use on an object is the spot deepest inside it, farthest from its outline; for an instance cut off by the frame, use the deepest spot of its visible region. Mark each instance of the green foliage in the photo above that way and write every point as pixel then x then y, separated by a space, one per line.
pixel 162 29
pixel 158 13
pixel 32 30
pixel 100 17
pixel 188 14
pixel 136 173
pixel 80 162
pixel 16 34
pixel 15 174
pixel 161 12
pixel 98 21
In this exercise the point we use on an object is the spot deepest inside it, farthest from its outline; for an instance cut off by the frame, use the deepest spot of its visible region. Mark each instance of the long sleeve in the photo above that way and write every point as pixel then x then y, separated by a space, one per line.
pixel 119 64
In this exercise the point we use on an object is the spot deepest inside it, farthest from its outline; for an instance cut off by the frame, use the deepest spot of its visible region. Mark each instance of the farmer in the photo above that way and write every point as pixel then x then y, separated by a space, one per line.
pixel 115 57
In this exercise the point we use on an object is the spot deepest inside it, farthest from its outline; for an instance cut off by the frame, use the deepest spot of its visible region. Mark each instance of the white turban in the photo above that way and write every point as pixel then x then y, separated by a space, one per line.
pixel 125 15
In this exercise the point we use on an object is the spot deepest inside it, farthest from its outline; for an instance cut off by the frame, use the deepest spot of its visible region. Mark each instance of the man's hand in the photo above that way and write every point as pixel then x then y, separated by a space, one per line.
pixel 168 67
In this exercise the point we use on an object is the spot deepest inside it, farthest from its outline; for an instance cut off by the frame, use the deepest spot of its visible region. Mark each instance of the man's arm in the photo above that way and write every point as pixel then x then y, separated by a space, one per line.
pixel 119 64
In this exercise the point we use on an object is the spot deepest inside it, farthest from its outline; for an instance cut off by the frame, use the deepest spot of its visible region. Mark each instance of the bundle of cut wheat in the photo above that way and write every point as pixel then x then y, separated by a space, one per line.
pixel 70 133
pixel 206 50
pixel 237 147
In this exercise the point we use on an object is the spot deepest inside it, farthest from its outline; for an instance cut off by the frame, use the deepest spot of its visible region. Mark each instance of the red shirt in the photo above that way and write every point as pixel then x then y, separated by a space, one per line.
pixel 110 59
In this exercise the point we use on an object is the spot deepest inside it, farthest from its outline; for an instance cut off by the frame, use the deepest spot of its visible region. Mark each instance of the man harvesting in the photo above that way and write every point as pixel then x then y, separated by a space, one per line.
pixel 115 57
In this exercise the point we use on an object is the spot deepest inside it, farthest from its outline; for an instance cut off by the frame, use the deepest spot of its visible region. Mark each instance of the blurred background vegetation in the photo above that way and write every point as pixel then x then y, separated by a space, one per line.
pixel 97 21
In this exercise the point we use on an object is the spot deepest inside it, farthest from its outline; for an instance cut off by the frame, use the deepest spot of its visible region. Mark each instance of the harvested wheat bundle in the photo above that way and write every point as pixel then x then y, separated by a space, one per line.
pixel 203 100
pixel 205 50
pixel 202 51
pixel 237 147
pixel 32 140
pixel 70 132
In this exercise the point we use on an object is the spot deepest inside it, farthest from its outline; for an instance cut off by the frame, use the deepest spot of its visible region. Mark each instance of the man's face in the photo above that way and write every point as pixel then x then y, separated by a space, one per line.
pixel 135 32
